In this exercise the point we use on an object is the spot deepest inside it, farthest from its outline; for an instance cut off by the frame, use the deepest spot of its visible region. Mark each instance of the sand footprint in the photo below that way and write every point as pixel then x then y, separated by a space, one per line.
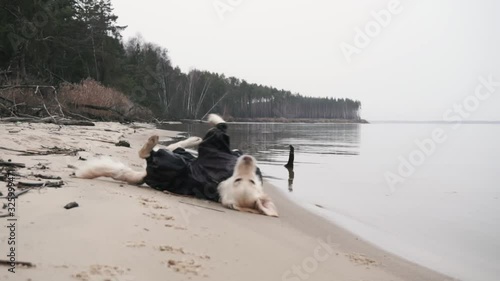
pixel 185 266
pixel 102 272
pixel 176 227
pixel 156 216
pixel 136 244
pixel 361 259
pixel 189 266
pixel 148 202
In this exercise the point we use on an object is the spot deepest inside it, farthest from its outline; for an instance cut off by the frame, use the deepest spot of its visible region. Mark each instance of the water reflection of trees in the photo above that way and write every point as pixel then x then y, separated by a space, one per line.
pixel 270 141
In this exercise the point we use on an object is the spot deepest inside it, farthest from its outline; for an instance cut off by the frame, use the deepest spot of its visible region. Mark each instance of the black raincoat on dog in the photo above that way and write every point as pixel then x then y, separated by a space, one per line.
pixel 182 173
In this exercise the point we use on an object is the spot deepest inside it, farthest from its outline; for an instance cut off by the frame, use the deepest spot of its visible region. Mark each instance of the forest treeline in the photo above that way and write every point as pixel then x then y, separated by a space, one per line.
pixel 61 42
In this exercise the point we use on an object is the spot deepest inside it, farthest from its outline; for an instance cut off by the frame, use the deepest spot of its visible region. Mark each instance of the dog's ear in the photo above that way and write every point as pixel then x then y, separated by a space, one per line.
pixel 266 206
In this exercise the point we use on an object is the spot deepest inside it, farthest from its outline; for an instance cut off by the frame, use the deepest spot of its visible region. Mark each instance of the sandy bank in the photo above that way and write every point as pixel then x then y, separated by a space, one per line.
pixel 122 232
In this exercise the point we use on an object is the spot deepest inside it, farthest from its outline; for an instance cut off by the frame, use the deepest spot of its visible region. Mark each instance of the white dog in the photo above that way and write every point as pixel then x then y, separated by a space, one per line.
pixel 235 180
pixel 243 190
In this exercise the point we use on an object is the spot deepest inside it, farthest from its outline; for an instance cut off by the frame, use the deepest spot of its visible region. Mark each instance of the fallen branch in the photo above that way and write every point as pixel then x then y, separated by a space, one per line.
pixel 47 177
pixel 12 113
pixel 25 86
pixel 22 263
pixel 57 150
pixel 23 184
pixel 44 106
pixel 12 164
pixel 50 120
pixel 58 103
pixel 105 141
pixel 78 115
pixel 11 149
pixel 97 107
pixel 55 184
pixel 16 119
pixel 49 151
pixel 16 195
pixel 7 100
pixel 75 123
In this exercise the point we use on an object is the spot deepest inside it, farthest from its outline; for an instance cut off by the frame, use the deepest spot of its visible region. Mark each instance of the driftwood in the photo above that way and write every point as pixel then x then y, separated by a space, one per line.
pixel 11 149
pixel 44 106
pixel 56 184
pixel 105 141
pixel 74 123
pixel 49 120
pixel 7 87
pixel 98 107
pixel 12 164
pixel 21 263
pixel 3 175
pixel 58 150
pixel 17 194
pixel 49 151
pixel 47 177
pixel 78 115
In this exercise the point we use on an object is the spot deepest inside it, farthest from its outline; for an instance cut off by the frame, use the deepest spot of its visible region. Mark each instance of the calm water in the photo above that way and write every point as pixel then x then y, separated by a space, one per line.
pixel 445 216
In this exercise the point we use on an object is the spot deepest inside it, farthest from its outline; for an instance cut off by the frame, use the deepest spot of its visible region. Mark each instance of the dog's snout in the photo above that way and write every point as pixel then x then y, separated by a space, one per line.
pixel 247 159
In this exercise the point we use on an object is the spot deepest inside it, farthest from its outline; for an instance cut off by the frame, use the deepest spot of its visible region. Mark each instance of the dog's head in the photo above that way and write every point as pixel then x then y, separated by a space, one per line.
pixel 246 169
pixel 244 189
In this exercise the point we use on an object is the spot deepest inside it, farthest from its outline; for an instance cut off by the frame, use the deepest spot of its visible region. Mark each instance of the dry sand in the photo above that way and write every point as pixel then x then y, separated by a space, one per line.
pixel 122 232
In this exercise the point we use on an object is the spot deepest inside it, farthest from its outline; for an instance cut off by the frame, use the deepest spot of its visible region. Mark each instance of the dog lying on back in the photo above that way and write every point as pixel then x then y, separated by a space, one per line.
pixel 217 174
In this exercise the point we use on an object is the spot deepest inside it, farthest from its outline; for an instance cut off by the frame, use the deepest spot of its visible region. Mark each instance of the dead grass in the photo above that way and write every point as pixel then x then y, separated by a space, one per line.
pixel 92 93
pixel 88 98
pixel 21 100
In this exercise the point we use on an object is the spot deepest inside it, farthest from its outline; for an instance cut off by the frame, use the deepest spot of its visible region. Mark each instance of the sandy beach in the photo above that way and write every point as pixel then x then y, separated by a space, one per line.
pixel 123 232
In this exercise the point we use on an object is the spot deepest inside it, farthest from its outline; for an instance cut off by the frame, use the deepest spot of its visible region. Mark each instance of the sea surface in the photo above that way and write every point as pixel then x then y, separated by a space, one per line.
pixel 427 192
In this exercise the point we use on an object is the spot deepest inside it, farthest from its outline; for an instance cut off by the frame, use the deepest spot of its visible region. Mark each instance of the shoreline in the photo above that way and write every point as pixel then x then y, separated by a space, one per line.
pixel 122 232
pixel 313 224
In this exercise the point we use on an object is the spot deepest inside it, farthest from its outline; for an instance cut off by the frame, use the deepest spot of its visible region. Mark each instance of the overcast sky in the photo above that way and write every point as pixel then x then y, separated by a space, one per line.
pixel 428 57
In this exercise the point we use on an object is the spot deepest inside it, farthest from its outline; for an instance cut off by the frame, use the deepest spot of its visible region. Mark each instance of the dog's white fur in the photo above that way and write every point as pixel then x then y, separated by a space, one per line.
pixel 215 119
pixel 187 143
pixel 107 167
pixel 242 191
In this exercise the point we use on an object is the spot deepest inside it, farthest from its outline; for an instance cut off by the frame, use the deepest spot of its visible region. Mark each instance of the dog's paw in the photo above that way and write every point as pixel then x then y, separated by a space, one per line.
pixel 145 151
pixel 215 119
pixel 192 141
pixel 153 140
